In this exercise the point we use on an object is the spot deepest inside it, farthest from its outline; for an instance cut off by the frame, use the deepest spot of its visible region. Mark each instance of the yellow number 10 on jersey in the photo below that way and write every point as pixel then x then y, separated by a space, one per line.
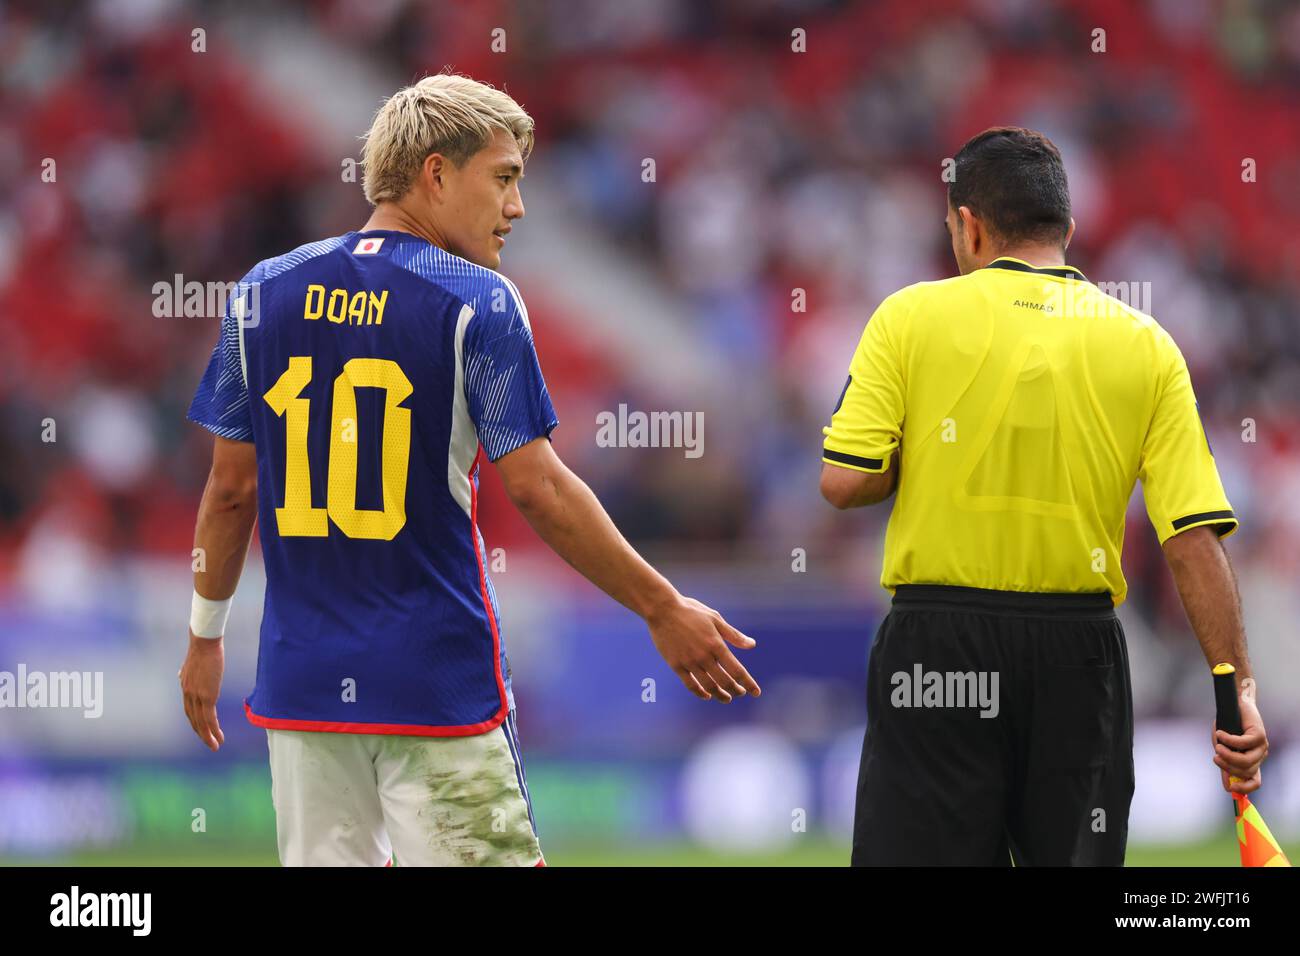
pixel 298 518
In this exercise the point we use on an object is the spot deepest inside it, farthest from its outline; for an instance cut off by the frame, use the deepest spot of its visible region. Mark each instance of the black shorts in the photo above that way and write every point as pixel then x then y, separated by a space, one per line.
pixel 1021 748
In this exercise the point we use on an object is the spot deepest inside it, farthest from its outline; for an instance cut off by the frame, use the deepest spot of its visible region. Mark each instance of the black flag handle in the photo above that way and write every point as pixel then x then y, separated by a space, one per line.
pixel 1227 712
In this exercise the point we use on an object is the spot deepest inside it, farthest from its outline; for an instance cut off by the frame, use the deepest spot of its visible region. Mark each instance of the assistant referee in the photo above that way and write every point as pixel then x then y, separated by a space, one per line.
pixel 1013 408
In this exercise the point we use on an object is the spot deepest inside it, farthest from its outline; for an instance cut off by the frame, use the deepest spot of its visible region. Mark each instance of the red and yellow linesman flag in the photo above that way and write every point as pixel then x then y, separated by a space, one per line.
pixel 1257 845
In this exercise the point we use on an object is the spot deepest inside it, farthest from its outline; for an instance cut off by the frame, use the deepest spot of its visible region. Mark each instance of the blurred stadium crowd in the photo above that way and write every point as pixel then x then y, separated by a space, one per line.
pixel 774 171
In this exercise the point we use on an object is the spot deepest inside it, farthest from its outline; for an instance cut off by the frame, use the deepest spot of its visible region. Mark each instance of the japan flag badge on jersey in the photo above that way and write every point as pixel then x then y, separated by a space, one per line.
pixel 368 247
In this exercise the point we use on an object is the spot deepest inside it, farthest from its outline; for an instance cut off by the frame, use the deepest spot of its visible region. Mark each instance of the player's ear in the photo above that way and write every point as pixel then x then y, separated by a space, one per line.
pixel 1069 233
pixel 432 173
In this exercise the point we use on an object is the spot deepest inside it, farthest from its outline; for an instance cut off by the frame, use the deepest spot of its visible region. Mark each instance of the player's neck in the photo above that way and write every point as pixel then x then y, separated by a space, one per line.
pixel 392 217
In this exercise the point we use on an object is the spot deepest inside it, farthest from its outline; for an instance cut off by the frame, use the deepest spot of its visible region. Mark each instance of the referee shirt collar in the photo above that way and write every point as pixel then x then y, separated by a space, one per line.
pixel 1019 265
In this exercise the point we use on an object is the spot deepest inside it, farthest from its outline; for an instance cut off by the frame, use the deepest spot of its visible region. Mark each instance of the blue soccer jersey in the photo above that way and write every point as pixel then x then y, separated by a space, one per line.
pixel 370 371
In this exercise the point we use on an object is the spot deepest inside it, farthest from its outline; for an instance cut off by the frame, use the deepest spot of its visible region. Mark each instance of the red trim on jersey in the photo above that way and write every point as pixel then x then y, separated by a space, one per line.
pixel 348 727
pixel 420 730
pixel 487 602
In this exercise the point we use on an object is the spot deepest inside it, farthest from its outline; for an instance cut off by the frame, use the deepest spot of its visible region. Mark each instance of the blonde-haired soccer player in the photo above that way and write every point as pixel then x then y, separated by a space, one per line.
pixel 357 383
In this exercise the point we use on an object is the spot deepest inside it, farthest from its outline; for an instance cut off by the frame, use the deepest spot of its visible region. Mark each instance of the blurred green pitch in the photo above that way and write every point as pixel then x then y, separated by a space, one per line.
pixel 814 851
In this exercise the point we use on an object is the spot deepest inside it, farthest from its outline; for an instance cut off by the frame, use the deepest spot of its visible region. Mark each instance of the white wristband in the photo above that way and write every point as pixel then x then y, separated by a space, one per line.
pixel 208 618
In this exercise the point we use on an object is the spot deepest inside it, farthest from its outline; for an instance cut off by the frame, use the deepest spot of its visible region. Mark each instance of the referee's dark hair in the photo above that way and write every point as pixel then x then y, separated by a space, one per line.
pixel 1014 181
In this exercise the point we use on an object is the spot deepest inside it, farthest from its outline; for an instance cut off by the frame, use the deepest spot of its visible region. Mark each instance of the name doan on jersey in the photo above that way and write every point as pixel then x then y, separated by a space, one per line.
pixel 340 305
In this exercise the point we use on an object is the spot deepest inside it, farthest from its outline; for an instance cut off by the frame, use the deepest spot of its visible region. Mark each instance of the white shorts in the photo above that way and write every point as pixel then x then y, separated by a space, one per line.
pixel 363 799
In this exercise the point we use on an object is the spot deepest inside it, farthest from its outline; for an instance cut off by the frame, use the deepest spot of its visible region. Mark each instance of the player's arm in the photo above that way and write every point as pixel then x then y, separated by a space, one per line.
pixel 564 512
pixel 512 412
pixel 227 513
pixel 224 525
pixel 1187 507
pixel 863 443
pixel 223 531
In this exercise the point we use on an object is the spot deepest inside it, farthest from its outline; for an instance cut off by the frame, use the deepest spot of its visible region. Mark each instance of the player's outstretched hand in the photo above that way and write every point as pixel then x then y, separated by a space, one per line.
pixel 1239 757
pixel 693 639
pixel 200 686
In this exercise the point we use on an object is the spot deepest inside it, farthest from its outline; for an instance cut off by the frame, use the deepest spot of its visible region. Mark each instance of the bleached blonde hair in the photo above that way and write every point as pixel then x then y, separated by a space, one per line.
pixel 447 113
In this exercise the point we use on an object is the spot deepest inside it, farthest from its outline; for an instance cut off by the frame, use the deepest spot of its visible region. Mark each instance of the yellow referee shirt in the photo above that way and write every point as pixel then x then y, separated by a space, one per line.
pixel 1026 402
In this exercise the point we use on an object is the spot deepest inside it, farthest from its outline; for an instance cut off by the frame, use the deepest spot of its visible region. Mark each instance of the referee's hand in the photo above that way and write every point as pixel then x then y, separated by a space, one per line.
pixel 1239 757
pixel 693 638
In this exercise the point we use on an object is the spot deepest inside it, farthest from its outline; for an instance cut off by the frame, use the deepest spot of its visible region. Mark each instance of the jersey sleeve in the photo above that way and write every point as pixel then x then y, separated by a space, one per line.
pixel 506 393
pixel 1180 481
pixel 867 423
pixel 221 403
